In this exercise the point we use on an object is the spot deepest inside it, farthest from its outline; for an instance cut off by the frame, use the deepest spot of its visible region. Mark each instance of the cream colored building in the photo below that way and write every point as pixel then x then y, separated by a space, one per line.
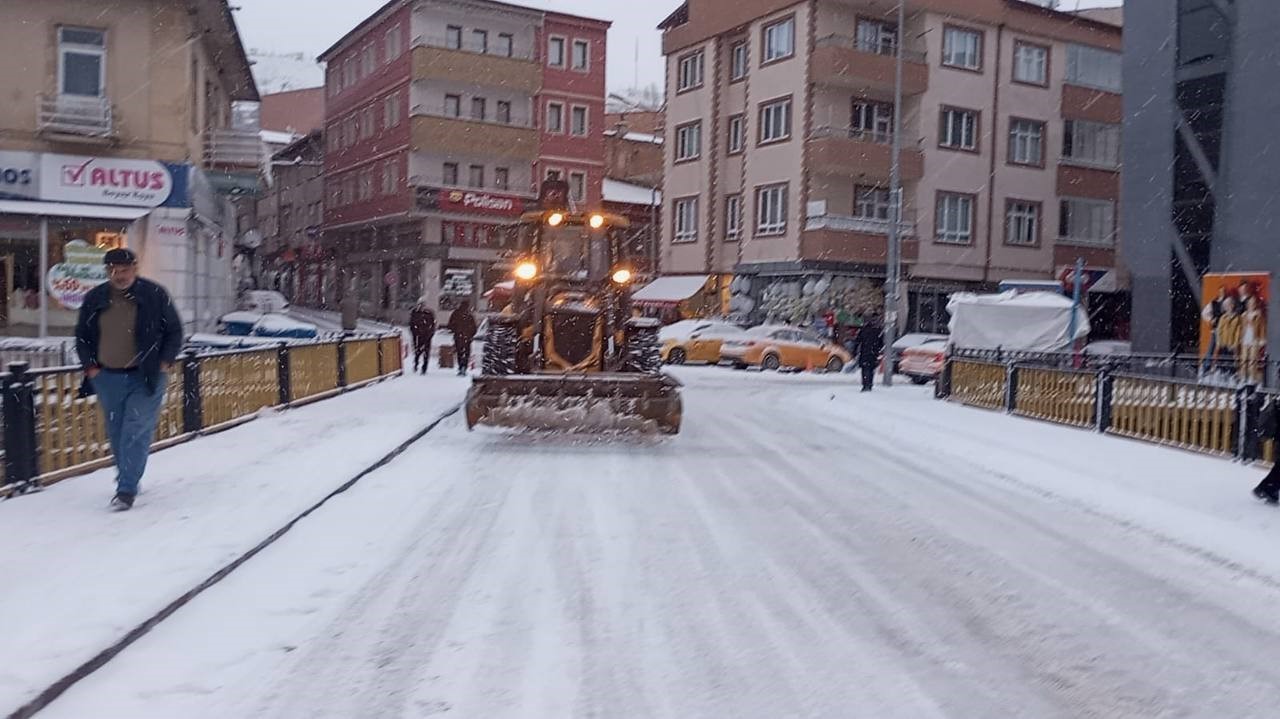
pixel 117 126
pixel 779 126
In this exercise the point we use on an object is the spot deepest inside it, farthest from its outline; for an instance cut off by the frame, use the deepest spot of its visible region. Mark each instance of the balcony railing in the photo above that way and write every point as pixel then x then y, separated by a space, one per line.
pixel 73 115
pixel 887 49
pixel 233 148
pixel 473 46
pixel 878 137
pixel 438 180
pixel 424 110
pixel 819 219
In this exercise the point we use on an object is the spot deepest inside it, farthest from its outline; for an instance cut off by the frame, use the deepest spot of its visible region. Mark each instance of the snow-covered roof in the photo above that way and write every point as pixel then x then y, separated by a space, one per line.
pixel 670 290
pixel 275 137
pixel 636 137
pixel 629 193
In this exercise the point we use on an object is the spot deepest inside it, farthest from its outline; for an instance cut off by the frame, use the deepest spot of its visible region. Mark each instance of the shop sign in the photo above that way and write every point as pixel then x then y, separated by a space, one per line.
pixel 81 270
pixel 105 180
pixel 19 175
pixel 470 202
pixel 458 282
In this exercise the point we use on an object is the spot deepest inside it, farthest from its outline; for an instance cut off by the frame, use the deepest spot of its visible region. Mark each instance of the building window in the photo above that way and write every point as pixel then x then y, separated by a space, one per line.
pixel 369 124
pixel 871 203
pixel 370 57
pixel 686 219
pixel 506 44
pixel 501 178
pixel 873 121
pixel 877 37
pixel 954 219
pixel 1030 64
pixel 555 52
pixel 450 175
pixel 453 37
pixel 737 139
pixel 555 117
pixel 1093 67
pixel 480 40
pixel 1026 142
pixel 479 108
pixel 504 112
pixel 1022 223
pixel 453 105
pixel 779 40
pixel 366 184
pixel 1092 143
pixel 959 129
pixel 775 121
pixel 391 110
pixel 771 210
pixel 732 218
pixel 962 48
pixel 689 142
pixel 392 43
pixel 578 125
pixel 82 62
pixel 1090 222
pixel 475 176
pixel 690 74
pixel 581 55
pixel 391 176
pixel 738 61
pixel 553 174
pixel 578 186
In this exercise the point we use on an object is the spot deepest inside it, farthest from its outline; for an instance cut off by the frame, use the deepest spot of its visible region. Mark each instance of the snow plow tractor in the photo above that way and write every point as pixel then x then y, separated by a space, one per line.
pixel 566 354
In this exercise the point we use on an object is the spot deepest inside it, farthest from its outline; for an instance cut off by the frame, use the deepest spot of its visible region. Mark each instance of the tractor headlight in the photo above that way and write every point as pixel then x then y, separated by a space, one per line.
pixel 555 219
pixel 622 276
pixel 526 271
pixel 596 221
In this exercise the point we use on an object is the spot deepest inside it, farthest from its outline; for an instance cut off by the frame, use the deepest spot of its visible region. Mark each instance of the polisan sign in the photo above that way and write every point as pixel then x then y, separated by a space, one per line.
pixel 459 200
pixel 104 180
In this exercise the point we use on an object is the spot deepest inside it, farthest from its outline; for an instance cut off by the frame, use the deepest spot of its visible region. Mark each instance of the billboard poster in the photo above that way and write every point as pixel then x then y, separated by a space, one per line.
pixel 1233 324
pixel 80 271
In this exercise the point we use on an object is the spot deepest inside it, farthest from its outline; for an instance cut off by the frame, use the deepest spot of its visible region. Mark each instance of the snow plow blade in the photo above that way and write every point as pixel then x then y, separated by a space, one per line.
pixel 596 402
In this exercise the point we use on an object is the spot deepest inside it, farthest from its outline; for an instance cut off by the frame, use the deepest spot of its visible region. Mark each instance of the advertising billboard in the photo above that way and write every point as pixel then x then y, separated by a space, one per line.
pixel 1233 324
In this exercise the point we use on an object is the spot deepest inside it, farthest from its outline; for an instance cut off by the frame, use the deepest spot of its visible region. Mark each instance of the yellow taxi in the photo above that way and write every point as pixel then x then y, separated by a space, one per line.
pixel 695 340
pixel 774 347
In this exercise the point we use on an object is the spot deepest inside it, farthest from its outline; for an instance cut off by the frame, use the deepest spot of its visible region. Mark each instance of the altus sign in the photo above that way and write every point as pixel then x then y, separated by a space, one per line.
pixel 104 180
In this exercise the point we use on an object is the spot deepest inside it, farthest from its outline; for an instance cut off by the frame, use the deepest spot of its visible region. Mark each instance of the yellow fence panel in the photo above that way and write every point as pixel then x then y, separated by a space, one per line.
pixel 362 360
pixel 981 384
pixel 236 385
pixel 392 359
pixel 313 370
pixel 1063 396
pixel 1183 415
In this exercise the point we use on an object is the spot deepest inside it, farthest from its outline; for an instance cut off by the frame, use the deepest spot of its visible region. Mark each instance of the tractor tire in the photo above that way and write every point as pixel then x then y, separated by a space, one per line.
pixel 500 350
pixel 771 362
pixel 643 353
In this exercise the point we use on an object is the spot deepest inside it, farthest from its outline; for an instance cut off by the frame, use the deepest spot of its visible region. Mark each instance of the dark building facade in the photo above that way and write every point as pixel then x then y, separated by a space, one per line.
pixel 1201 165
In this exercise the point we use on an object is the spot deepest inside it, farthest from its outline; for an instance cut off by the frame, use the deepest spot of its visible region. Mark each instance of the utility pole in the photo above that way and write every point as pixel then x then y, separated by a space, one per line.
pixel 894 268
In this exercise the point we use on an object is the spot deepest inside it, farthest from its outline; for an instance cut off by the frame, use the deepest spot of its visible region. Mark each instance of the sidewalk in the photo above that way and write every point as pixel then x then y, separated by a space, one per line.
pixel 69 563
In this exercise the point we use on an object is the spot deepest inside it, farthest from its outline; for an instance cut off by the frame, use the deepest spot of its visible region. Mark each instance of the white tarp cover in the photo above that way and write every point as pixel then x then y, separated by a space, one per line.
pixel 670 290
pixel 1030 321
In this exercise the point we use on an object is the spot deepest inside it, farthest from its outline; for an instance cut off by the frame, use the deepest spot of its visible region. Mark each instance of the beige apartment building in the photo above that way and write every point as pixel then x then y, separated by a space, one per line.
pixel 119 128
pixel 779 124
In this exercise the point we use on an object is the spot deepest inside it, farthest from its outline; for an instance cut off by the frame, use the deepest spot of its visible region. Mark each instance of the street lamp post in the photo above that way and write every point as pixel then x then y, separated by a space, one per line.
pixel 894 265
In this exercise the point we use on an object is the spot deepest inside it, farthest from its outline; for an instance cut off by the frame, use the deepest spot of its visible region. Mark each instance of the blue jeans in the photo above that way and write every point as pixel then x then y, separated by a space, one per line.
pixel 131 412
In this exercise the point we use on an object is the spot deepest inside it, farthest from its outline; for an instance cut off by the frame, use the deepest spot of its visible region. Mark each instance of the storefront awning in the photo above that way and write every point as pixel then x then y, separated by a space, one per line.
pixel 63 209
pixel 670 290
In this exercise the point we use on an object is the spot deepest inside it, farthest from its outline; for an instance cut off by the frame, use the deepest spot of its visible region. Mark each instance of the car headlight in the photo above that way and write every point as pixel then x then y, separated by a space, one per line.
pixel 526 271
pixel 622 275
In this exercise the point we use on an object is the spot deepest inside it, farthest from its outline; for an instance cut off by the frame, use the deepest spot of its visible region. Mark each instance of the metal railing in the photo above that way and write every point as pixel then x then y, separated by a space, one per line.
pixel 89 117
pixel 52 432
pixel 226 147
pixel 888 49
pixel 424 109
pixel 471 45
pixel 878 137
pixel 817 218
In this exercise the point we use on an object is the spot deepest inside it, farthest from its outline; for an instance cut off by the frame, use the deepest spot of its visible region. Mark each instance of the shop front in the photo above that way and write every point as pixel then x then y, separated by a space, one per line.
pixel 478 236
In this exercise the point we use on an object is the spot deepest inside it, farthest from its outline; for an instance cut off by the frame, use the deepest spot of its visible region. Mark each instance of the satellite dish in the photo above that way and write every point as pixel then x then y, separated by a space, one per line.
pixel 252 239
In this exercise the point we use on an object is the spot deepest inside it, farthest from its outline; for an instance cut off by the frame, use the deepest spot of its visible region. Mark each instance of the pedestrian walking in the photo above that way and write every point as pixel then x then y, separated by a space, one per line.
pixel 866 350
pixel 463 326
pixel 1268 489
pixel 128 336
pixel 422 326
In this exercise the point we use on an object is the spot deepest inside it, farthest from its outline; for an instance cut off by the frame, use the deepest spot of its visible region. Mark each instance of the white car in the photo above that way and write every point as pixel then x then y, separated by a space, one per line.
pixel 907 341
pixel 264 301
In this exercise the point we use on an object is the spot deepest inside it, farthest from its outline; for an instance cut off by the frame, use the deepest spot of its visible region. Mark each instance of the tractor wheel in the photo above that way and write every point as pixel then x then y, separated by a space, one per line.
pixel 500 350
pixel 771 362
pixel 643 354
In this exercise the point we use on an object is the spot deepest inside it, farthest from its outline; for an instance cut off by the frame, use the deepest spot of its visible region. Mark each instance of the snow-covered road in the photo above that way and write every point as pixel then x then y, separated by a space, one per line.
pixel 800 550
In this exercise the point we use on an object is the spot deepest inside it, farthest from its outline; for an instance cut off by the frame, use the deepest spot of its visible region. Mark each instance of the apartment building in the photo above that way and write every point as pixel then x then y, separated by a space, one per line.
pixel 290 215
pixel 119 129
pixel 442 118
pixel 780 123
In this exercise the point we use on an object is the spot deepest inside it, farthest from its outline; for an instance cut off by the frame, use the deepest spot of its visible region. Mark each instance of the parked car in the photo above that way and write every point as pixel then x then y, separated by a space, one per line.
pixel 263 301
pixel 1112 348
pixel 238 324
pixel 923 362
pixel 913 339
pixel 276 325
pixel 695 340
pixel 773 347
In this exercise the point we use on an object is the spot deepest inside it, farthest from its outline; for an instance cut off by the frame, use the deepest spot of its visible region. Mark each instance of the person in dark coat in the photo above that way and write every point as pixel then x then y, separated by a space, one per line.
pixel 1268 490
pixel 866 350
pixel 422 326
pixel 128 337
pixel 463 326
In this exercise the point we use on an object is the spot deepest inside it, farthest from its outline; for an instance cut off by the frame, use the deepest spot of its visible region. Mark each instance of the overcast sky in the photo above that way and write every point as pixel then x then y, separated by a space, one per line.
pixel 311 26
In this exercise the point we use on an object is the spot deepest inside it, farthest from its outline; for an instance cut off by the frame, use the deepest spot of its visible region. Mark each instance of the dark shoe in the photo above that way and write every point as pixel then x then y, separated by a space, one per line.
pixel 122 502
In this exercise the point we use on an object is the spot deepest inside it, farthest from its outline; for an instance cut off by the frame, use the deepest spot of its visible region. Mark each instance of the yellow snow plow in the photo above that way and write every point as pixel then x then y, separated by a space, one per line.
pixel 566 355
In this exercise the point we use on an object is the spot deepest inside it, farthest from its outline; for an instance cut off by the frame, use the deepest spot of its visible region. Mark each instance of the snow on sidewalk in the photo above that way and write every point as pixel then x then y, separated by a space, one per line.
pixel 76 577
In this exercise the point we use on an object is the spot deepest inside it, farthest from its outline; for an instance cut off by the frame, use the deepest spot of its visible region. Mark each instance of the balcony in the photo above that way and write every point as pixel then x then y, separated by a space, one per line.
pixel 855 152
pixel 818 218
pixel 465 137
pixel 433 61
pixel 229 149
pixel 856 240
pixel 75 119
pixel 867 68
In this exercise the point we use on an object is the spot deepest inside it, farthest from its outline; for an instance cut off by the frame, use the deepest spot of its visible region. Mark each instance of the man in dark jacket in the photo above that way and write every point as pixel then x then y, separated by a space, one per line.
pixel 866 350
pixel 422 326
pixel 463 326
pixel 127 337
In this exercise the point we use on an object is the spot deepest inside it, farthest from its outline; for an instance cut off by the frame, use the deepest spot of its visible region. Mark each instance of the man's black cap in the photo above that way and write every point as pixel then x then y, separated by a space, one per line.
pixel 119 256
